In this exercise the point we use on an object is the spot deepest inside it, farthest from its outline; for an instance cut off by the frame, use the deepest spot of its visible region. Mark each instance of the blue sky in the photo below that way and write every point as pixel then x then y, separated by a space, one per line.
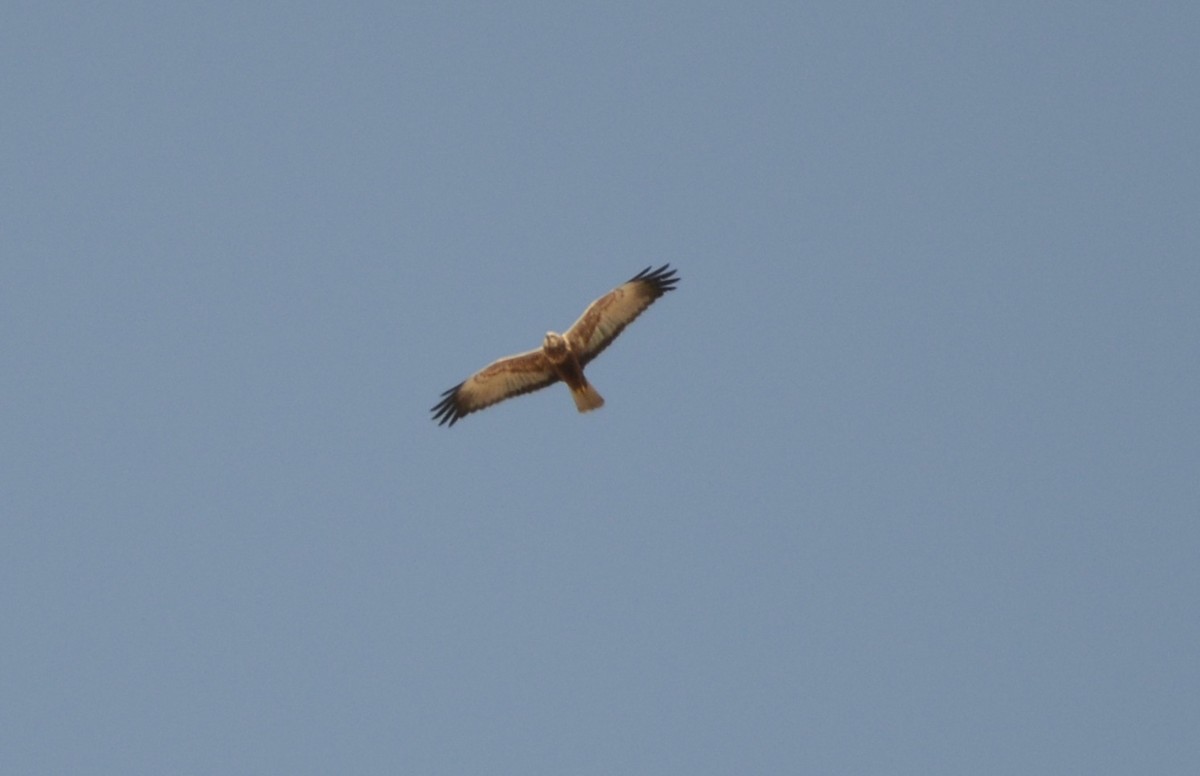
pixel 904 478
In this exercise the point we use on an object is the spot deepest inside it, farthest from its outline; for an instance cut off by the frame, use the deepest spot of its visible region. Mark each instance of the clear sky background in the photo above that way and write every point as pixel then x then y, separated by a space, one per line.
pixel 904 477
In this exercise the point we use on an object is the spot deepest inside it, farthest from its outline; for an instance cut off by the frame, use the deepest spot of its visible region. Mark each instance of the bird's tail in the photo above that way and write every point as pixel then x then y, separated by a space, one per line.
pixel 587 398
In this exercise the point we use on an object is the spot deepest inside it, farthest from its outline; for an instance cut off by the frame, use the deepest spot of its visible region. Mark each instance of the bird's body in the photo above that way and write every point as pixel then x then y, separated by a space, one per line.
pixel 562 356
pixel 565 362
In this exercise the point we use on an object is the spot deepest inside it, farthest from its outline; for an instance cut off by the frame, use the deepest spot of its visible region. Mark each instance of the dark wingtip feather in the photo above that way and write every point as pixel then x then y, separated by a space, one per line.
pixel 448 409
pixel 663 279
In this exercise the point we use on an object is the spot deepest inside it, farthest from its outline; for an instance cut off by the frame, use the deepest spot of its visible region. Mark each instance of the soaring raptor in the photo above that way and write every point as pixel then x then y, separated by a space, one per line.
pixel 561 356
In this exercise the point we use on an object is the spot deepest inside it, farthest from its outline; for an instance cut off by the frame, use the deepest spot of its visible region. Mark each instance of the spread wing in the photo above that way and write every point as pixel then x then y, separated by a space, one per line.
pixel 500 380
pixel 608 316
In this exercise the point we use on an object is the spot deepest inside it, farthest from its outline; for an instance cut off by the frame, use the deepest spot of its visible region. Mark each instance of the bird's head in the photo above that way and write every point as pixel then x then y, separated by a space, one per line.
pixel 554 345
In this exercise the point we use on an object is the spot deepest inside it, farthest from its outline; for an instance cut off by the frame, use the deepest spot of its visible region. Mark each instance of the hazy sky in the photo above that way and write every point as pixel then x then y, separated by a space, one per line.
pixel 903 478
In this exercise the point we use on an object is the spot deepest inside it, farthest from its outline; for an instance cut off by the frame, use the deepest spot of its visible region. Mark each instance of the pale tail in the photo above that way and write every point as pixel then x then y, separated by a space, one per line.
pixel 587 398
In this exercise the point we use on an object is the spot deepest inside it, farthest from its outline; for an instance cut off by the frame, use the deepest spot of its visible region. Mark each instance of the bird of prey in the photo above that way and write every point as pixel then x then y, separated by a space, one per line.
pixel 561 356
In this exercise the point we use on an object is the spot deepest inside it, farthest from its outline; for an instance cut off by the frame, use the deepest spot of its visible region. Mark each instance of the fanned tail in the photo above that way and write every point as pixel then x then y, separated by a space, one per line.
pixel 587 398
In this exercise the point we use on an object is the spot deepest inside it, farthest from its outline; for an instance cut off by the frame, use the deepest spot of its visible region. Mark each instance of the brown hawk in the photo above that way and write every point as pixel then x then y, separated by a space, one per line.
pixel 561 356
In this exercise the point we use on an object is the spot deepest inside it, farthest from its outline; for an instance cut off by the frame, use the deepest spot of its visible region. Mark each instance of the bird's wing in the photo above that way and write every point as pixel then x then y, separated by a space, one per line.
pixel 608 316
pixel 500 380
